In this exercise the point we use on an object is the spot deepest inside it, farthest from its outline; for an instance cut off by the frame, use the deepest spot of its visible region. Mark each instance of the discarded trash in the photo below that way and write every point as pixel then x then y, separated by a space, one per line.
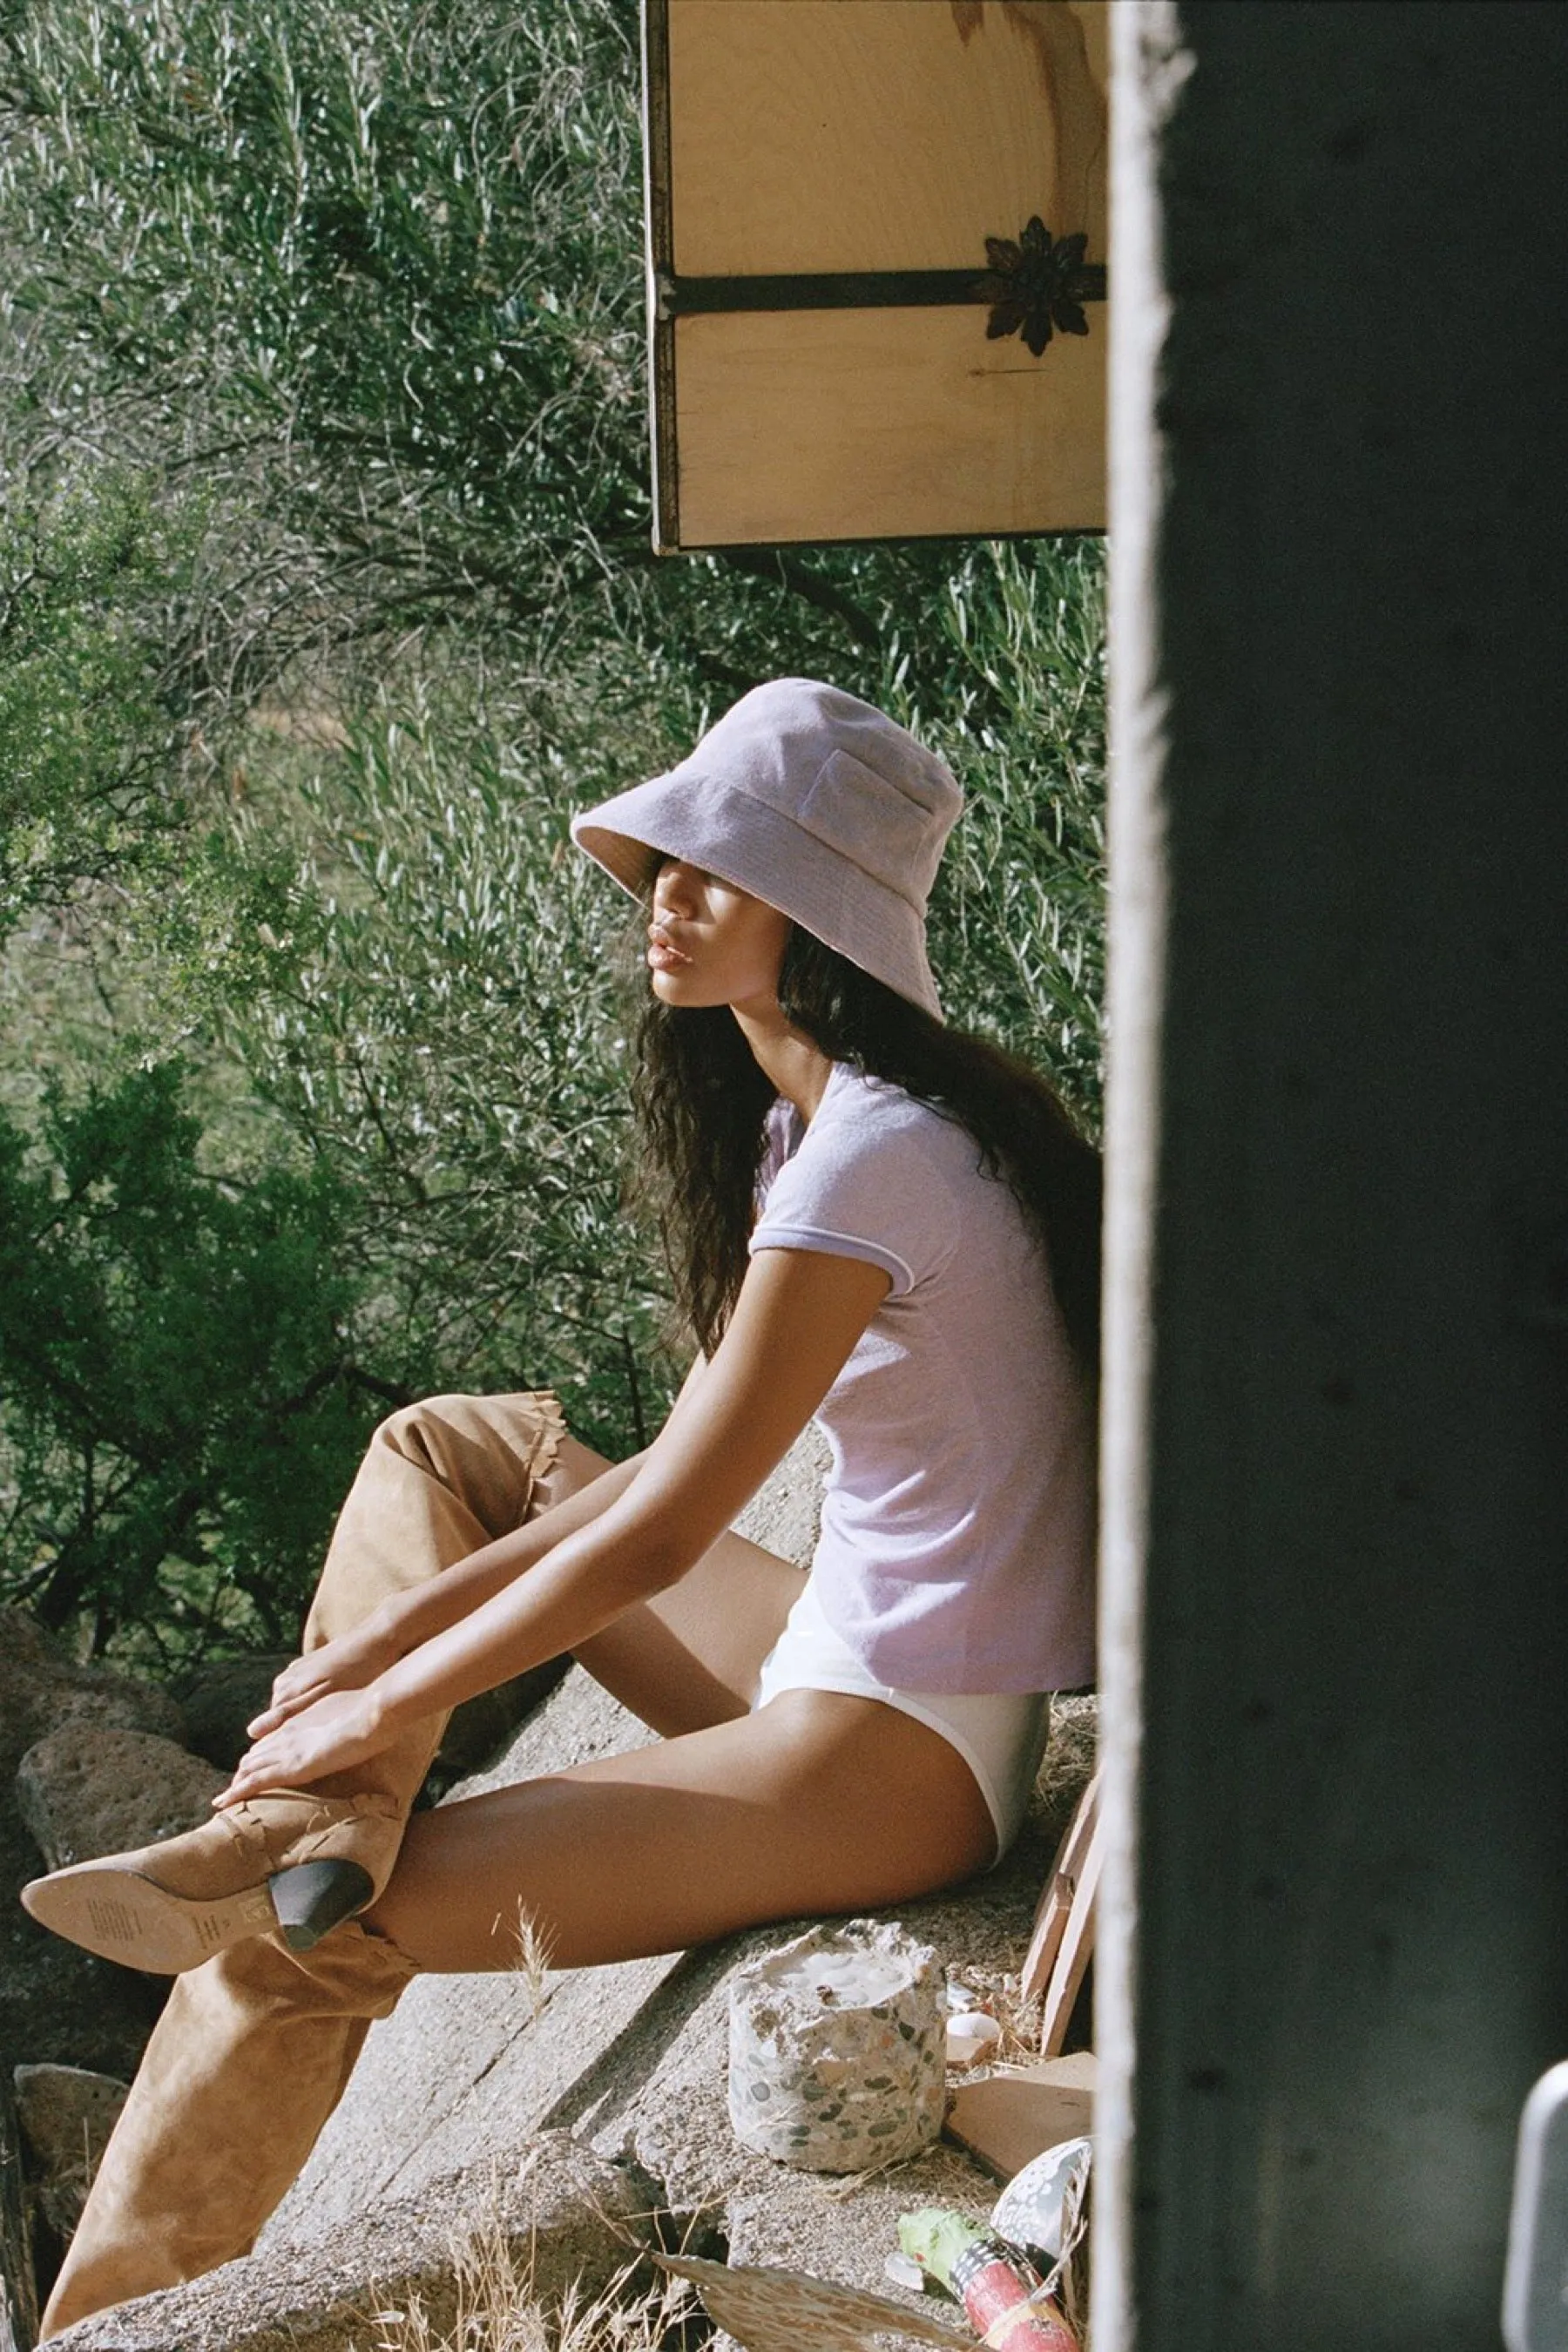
pixel 971 2036
pixel 1039 2206
pixel 1003 2294
pixel 837 2048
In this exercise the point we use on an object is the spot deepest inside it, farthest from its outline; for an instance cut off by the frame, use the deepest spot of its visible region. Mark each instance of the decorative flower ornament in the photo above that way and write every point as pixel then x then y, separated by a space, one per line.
pixel 1036 285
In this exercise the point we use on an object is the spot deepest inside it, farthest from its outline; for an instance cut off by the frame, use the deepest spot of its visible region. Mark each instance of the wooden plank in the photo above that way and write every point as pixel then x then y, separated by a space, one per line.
pixel 881 134
pixel 1013 2114
pixel 883 424
pixel 794 136
pixel 1060 1888
pixel 1077 1944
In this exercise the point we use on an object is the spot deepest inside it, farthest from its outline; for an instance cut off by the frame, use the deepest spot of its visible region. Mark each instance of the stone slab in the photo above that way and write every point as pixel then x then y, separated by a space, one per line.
pixel 570 2221
pixel 632 2058
pixel 57 2002
pixel 90 1789
pixel 66 2114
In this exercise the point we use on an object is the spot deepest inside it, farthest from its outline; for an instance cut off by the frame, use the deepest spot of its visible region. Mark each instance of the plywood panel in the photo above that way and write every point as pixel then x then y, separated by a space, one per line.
pixel 1015 2114
pixel 881 134
pixel 881 423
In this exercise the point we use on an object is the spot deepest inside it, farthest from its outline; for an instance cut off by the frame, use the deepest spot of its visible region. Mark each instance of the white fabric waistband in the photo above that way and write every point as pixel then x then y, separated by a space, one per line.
pixel 1001 1735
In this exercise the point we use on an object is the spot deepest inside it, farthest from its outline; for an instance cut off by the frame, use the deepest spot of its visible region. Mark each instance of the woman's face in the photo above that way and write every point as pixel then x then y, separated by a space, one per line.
pixel 710 942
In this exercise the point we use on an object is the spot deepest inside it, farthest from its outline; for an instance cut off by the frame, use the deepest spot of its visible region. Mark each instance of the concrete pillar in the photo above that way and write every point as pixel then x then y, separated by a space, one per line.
pixel 1335 1946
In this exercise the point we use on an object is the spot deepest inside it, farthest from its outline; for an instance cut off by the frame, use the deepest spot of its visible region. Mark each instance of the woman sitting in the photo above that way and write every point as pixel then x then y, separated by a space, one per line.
pixel 871 1220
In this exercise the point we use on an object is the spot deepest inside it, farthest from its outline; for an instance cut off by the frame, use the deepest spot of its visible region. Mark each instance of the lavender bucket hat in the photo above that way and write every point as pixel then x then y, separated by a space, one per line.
pixel 811 800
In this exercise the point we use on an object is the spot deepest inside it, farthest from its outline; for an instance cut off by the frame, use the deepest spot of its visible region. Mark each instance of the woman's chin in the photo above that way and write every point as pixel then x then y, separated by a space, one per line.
pixel 677 987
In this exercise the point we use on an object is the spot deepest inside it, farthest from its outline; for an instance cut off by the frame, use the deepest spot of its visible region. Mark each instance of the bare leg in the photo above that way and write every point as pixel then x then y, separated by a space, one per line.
pixel 820 1802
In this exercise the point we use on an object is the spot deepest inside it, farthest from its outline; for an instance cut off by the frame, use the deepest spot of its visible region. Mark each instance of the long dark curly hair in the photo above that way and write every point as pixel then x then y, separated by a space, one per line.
pixel 702 1104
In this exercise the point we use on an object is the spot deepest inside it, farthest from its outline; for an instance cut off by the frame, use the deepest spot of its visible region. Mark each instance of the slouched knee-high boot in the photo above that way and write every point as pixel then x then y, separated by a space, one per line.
pixel 439 1480
pixel 247 2062
pixel 252 2053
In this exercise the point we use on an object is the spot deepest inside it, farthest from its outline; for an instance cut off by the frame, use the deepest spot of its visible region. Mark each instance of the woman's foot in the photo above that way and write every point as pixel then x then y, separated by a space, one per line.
pixel 283 1861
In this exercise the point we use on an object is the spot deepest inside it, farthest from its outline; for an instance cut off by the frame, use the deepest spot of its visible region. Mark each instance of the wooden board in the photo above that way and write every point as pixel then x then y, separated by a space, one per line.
pixel 876 135
pixel 791 137
pixel 1063 1940
pixel 827 425
pixel 1013 2114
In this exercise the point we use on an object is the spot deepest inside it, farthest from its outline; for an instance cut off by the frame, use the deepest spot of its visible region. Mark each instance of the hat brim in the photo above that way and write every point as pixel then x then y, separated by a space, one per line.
pixel 707 821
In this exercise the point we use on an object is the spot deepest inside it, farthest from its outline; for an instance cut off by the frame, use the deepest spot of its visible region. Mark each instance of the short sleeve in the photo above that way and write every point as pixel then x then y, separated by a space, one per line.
pixel 864 1183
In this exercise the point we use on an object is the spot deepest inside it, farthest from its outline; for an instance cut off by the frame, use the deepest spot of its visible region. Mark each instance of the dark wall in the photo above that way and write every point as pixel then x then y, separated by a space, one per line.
pixel 1350 1957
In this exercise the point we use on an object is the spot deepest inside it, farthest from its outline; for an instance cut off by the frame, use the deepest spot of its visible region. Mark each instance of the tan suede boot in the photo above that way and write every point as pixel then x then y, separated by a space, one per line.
pixel 440 1479
pixel 252 2053
pixel 243 2067
pixel 287 1859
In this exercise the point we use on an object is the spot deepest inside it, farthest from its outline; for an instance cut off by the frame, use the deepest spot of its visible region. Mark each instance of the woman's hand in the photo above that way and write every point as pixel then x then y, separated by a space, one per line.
pixel 331 1735
pixel 349 1664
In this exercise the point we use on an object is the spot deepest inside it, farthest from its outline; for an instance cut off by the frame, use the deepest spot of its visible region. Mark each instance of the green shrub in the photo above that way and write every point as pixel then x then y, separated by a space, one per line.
pixel 179 1407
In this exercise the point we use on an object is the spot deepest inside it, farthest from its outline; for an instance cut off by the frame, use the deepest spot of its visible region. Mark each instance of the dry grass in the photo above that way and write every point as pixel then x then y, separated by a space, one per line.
pixel 497 2310
pixel 532 1963
pixel 1069 1761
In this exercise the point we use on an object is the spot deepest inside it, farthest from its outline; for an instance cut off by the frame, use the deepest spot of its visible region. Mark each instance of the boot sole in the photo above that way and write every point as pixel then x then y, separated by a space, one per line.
pixel 123 1915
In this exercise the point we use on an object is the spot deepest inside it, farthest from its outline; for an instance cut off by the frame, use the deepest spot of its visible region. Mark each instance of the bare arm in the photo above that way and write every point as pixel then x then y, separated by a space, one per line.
pixel 798 1317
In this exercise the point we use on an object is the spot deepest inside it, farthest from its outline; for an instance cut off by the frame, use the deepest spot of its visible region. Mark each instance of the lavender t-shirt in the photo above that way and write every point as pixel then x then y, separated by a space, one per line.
pixel 957 1542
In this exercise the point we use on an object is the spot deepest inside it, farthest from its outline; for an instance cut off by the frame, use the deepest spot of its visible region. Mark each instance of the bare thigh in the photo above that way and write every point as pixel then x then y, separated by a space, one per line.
pixel 820 1802
pixel 690 1657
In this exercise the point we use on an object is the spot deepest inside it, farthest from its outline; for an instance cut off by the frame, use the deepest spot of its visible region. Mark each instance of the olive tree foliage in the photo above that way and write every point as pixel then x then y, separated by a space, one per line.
pixel 93 718
pixel 444 1022
pixel 327 595
pixel 370 276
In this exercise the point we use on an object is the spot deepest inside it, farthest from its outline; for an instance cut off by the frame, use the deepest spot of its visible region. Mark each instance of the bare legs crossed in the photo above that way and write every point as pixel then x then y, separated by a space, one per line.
pixel 819 1803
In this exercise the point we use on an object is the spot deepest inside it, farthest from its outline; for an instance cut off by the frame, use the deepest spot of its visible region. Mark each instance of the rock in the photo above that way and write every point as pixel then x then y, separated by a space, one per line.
pixel 40 1692
pixel 222 1697
pixel 66 2114
pixel 570 2220
pixel 56 2001
pixel 85 1792
pixel 19 2299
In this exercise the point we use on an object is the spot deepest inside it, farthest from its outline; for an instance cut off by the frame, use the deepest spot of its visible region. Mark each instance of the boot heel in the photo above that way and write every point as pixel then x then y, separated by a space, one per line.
pixel 315 1896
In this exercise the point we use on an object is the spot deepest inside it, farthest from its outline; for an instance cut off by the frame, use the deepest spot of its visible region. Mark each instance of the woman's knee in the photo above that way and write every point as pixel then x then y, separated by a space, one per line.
pixel 409 1427
pixel 527 1420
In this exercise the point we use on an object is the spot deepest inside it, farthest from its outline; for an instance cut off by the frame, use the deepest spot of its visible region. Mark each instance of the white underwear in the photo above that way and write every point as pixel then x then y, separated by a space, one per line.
pixel 1001 1735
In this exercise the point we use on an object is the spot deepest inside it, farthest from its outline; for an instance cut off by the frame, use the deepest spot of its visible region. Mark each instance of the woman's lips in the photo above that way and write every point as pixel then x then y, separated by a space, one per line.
pixel 663 955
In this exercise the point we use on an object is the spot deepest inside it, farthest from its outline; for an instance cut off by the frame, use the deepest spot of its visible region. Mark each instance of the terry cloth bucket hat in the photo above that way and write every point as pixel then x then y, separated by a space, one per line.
pixel 811 800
